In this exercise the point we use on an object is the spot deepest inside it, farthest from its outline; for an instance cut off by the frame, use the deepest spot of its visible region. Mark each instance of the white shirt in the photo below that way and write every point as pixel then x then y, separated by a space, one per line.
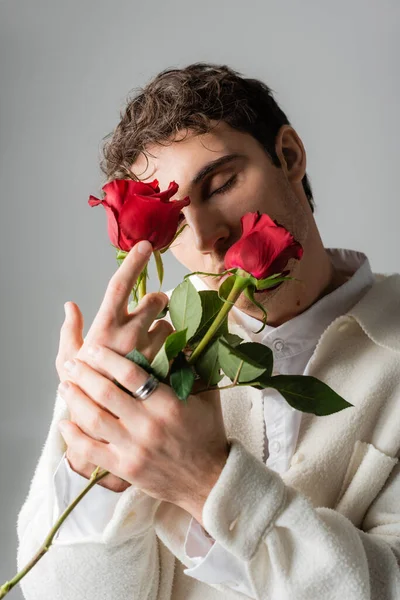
pixel 292 344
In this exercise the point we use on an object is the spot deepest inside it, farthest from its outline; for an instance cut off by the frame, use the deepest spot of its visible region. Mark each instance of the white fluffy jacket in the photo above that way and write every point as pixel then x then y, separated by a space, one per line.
pixel 327 529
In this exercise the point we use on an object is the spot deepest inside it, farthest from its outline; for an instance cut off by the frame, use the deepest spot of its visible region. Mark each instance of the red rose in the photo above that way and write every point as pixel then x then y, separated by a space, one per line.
pixel 139 211
pixel 264 247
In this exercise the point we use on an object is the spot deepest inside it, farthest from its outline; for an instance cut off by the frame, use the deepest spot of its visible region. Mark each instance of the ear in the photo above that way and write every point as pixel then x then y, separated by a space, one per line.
pixel 291 153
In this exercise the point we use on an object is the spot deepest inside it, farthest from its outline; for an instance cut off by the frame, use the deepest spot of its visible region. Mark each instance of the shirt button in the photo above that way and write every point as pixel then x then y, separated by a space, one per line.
pixel 279 345
pixel 297 458
pixel 275 447
pixel 233 524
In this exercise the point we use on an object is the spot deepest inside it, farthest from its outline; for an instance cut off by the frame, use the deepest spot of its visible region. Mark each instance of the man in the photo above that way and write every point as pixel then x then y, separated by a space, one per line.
pixel 234 495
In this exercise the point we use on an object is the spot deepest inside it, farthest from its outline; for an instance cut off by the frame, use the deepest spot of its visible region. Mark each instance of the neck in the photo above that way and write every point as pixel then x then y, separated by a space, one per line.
pixel 318 277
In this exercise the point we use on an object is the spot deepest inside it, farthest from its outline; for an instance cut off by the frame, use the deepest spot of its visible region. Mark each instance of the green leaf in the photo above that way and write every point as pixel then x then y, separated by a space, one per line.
pixel 182 377
pixel 120 255
pixel 232 339
pixel 162 314
pixel 160 364
pixel 174 343
pixel 135 290
pixel 159 266
pixel 257 358
pixel 139 359
pixel 208 367
pixel 211 305
pixel 185 308
pixel 225 288
pixel 305 393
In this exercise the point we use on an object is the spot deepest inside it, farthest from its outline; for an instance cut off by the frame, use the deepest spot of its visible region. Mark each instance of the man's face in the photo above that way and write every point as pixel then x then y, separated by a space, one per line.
pixel 226 173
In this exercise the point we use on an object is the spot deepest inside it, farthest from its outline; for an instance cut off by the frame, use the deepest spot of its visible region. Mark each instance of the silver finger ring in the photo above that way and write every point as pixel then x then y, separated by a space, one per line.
pixel 147 388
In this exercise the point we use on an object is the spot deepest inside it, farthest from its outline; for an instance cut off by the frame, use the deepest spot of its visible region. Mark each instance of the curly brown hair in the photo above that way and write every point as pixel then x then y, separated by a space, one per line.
pixel 189 99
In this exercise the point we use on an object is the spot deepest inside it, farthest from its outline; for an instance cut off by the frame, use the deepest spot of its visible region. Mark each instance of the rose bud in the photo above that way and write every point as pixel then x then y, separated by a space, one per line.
pixel 264 248
pixel 139 211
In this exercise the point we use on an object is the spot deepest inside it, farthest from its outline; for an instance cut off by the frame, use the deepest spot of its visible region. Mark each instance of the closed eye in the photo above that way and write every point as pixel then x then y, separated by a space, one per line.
pixel 224 188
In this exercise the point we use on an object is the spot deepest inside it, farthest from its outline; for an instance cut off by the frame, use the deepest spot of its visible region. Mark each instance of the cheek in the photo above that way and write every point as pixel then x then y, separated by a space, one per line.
pixel 183 249
pixel 267 193
pixel 259 189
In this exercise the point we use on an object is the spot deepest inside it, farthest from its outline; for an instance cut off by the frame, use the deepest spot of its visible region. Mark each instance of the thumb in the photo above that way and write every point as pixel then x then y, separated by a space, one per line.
pixel 71 336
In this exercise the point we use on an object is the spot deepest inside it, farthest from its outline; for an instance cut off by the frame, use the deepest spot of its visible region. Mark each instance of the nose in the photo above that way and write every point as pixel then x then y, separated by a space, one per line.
pixel 209 229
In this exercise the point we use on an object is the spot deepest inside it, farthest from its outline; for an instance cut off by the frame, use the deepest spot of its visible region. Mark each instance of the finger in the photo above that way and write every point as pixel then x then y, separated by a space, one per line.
pixel 124 279
pixel 71 336
pixel 103 390
pixel 157 336
pixel 92 451
pixel 90 416
pixel 148 309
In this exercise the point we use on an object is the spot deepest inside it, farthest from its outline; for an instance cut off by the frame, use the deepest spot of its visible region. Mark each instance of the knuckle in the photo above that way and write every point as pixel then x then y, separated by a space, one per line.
pixel 86 449
pixel 70 397
pixel 107 392
pixel 172 413
pixel 96 420
pixel 139 462
pixel 163 328
pixel 117 285
pixel 153 300
pixel 152 431
pixel 129 378
pixel 104 321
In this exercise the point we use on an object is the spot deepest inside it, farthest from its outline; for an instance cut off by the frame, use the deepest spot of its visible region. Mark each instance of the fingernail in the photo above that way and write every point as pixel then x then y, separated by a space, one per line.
pixel 144 247
pixel 69 365
pixel 66 309
pixel 93 350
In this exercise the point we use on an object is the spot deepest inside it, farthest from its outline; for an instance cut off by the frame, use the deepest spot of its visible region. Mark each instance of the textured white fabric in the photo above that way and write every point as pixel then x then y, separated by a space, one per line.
pixel 327 527
pixel 93 512
pixel 292 344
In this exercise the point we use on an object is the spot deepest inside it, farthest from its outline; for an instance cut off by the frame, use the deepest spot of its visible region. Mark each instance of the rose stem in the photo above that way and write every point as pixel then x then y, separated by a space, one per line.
pixel 8 585
pixel 142 287
pixel 239 285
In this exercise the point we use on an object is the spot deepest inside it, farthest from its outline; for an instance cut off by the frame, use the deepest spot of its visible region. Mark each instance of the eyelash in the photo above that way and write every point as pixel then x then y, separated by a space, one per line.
pixel 225 187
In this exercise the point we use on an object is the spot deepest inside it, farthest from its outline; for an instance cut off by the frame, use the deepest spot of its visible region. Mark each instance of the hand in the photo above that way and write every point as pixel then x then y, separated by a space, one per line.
pixel 171 450
pixel 114 327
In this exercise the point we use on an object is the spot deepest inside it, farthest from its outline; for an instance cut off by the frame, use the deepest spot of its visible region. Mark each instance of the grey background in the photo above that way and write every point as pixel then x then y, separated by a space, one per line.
pixel 65 70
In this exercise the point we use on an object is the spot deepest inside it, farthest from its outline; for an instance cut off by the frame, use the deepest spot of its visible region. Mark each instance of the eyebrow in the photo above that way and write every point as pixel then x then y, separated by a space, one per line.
pixel 211 166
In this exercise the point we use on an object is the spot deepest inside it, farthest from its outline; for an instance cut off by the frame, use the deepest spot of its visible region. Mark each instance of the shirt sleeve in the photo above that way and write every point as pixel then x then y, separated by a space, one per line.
pixel 213 563
pixel 127 562
pixel 292 549
pixel 83 521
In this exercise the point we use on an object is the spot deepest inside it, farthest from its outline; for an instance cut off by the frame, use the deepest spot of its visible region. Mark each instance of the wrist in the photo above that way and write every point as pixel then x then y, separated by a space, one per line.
pixel 195 504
